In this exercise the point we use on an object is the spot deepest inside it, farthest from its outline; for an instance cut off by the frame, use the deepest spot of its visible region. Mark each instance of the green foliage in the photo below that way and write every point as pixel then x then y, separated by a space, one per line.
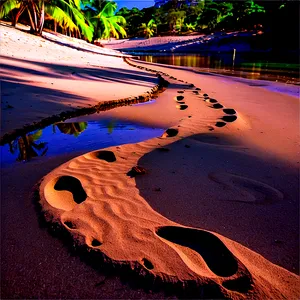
pixel 176 18
pixel 104 20
pixel 134 19
pixel 111 22
pixel 7 6
pixel 93 19
pixel 67 14
pixel 177 15
pixel 148 29
pixel 190 27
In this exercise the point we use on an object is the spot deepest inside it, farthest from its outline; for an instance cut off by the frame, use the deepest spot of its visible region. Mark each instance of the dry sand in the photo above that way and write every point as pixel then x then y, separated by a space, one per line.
pixel 40 78
pixel 143 42
pixel 238 185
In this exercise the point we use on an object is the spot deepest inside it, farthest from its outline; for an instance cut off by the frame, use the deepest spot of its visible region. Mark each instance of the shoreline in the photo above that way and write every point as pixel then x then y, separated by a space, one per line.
pixel 102 106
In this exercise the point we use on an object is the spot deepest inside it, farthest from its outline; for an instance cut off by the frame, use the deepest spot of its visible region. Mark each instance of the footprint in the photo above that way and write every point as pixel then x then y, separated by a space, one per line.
pixel 229 111
pixel 147 264
pixel 180 92
pixel 244 189
pixel 198 89
pixel 205 95
pixel 211 100
pixel 229 118
pixel 96 243
pixel 220 124
pixel 179 98
pixel 108 156
pixel 216 255
pixel 72 185
pixel 170 132
pixel 182 106
pixel 196 92
pixel 217 106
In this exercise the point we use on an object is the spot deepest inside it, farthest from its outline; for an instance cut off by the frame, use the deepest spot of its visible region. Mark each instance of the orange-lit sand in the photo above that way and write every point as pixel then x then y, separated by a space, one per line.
pixel 236 185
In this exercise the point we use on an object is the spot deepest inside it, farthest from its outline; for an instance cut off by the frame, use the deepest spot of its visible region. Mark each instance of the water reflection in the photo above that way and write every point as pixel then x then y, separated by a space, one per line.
pixel 71 128
pixel 244 64
pixel 27 147
pixel 62 138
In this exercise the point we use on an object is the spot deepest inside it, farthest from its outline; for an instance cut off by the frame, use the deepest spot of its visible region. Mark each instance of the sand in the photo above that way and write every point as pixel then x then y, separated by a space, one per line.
pixel 217 211
pixel 42 78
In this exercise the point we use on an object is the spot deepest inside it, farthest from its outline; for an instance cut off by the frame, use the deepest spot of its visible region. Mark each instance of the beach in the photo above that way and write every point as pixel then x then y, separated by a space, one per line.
pixel 227 174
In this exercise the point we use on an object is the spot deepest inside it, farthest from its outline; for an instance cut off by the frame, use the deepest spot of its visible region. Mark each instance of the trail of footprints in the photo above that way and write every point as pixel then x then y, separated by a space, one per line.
pixel 219 259
pixel 230 112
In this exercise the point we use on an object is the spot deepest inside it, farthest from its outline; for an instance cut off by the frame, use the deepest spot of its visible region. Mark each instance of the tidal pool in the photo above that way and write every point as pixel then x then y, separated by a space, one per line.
pixel 68 137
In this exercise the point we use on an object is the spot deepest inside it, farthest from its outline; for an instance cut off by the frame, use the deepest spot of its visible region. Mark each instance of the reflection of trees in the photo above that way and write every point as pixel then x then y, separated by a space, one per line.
pixel 27 146
pixel 71 128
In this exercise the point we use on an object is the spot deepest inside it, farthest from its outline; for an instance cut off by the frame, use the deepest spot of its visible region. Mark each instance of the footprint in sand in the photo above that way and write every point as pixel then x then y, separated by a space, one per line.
pixel 170 132
pixel 180 92
pixel 217 106
pixel 65 193
pixel 108 156
pixel 247 190
pixel 216 255
pixel 220 124
pixel 182 106
pixel 211 100
pixel 179 98
pixel 229 111
pixel 229 118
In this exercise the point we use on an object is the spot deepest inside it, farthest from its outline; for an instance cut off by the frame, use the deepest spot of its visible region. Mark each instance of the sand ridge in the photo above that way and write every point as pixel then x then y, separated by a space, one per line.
pixel 115 221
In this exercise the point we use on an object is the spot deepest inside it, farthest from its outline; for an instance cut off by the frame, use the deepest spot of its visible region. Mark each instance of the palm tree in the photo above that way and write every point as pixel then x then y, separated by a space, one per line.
pixel 148 29
pixel 67 13
pixel 190 27
pixel 106 23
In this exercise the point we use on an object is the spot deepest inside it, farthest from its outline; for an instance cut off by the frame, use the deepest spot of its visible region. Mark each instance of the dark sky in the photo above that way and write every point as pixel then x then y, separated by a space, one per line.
pixel 134 3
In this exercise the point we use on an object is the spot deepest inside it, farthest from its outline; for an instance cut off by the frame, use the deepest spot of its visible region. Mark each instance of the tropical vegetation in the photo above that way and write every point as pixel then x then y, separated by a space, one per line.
pixel 100 19
pixel 88 19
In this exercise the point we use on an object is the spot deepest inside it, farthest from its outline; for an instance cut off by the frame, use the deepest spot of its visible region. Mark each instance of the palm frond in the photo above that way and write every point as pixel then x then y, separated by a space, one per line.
pixel 7 6
pixel 60 16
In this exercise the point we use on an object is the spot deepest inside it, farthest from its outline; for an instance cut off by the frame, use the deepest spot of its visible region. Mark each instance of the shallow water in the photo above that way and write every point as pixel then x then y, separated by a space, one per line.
pixel 68 137
pixel 247 65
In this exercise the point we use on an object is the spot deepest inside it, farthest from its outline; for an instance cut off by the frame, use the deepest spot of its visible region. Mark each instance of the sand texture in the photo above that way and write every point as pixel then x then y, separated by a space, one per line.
pixel 208 210
pixel 95 197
